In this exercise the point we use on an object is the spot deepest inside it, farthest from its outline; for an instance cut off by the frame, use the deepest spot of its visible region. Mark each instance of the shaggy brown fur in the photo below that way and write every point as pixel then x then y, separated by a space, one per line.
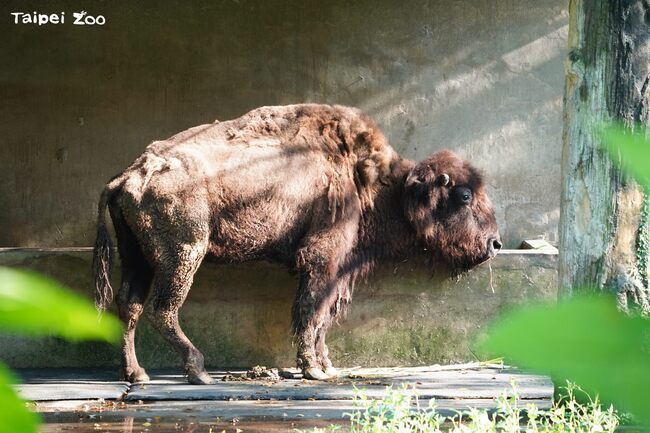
pixel 315 187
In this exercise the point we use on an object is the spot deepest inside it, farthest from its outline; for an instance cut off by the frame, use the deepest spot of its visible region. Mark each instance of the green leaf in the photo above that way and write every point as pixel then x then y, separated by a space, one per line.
pixel 14 415
pixel 628 149
pixel 584 340
pixel 36 305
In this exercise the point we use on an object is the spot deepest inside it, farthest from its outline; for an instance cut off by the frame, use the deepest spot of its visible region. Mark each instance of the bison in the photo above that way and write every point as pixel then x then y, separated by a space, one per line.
pixel 314 187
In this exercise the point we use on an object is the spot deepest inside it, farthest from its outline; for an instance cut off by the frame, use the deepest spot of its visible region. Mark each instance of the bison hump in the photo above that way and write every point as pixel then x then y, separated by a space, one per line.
pixel 355 146
pixel 373 165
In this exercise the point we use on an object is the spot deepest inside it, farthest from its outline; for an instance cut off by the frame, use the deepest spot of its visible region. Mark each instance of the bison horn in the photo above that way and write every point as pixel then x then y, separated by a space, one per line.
pixel 444 179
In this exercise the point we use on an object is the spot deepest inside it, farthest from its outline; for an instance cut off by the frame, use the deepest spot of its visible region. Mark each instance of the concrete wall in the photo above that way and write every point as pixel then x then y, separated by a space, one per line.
pixel 79 103
pixel 239 316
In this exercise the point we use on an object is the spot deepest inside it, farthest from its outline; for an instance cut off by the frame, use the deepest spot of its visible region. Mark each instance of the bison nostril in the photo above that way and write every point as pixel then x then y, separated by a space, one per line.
pixel 493 245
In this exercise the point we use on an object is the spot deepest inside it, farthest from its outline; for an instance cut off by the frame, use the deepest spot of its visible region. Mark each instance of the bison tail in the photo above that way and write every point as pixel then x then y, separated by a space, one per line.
pixel 103 256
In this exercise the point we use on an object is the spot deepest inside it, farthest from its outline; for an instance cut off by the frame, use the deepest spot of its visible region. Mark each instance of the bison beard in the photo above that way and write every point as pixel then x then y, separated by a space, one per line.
pixel 315 187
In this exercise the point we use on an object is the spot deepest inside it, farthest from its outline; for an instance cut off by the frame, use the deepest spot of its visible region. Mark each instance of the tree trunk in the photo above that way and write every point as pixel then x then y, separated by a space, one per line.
pixel 607 78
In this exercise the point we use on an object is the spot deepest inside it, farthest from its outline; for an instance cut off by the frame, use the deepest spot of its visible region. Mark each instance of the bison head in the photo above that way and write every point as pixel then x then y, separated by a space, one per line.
pixel 446 202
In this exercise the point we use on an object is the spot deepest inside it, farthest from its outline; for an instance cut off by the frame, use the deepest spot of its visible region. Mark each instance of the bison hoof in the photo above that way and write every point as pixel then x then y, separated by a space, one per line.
pixel 331 372
pixel 314 373
pixel 134 377
pixel 200 378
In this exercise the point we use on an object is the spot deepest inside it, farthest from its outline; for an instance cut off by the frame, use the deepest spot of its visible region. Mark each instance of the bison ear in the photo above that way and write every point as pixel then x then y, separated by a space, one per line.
pixel 412 179
pixel 418 184
pixel 419 174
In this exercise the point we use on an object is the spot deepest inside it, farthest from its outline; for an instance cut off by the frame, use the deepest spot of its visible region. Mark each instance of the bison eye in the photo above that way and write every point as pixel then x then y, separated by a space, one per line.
pixel 462 195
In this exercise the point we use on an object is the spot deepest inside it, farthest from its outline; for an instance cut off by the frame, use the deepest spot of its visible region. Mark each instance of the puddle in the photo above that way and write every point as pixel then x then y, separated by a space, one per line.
pixel 67 423
pixel 174 417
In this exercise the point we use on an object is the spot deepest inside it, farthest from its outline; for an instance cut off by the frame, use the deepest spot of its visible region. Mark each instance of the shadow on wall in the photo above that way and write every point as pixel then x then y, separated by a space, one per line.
pixel 483 78
pixel 239 315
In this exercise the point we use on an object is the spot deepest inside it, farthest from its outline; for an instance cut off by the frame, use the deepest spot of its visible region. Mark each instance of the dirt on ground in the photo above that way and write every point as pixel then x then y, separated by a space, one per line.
pixel 259 372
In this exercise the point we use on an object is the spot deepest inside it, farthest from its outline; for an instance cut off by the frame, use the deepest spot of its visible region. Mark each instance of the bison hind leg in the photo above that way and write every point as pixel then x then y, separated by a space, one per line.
pixel 130 300
pixel 173 276
pixel 135 284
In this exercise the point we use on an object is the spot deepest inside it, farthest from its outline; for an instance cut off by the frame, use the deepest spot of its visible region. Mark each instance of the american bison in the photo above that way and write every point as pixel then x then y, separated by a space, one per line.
pixel 315 187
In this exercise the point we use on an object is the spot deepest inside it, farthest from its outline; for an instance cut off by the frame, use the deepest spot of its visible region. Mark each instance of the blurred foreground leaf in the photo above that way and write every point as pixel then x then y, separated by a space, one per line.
pixel 14 416
pixel 630 150
pixel 585 340
pixel 36 305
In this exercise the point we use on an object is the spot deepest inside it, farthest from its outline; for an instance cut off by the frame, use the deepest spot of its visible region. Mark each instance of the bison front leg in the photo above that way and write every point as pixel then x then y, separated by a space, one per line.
pixel 309 317
pixel 322 353
pixel 321 290
pixel 335 305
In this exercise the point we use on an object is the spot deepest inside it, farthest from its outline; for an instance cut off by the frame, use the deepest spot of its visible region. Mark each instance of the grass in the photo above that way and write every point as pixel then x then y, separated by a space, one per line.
pixel 399 411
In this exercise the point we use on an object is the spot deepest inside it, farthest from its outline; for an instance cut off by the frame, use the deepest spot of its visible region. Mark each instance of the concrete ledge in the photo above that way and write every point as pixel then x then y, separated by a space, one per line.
pixel 73 391
pixel 239 315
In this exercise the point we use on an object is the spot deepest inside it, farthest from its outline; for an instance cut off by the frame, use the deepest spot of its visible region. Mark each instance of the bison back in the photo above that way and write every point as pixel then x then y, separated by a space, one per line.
pixel 252 187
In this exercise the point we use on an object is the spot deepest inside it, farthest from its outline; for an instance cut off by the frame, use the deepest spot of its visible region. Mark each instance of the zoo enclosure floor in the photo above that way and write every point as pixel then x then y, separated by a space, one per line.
pixel 454 388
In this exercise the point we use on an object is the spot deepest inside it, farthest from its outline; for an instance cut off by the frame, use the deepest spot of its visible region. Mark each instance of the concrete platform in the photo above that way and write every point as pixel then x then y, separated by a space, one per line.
pixel 168 395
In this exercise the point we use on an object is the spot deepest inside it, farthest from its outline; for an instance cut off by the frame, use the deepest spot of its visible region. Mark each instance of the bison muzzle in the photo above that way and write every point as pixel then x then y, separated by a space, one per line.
pixel 314 187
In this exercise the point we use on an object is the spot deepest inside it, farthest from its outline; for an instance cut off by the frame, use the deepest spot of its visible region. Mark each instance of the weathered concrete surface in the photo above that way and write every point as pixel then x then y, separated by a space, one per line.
pixel 240 315
pixel 485 384
pixel 452 387
pixel 78 104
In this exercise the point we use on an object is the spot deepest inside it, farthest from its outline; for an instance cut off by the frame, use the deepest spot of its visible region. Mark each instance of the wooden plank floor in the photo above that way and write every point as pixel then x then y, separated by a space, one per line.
pixel 452 388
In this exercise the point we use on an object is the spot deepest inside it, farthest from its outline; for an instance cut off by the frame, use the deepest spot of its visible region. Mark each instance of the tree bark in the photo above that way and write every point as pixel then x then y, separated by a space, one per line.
pixel 607 77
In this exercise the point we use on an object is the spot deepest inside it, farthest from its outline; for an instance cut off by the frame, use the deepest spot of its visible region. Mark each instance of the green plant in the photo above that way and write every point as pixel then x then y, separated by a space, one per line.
pixel 629 149
pixel 393 413
pixel 14 417
pixel 32 304
pixel 399 411
pixel 585 340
